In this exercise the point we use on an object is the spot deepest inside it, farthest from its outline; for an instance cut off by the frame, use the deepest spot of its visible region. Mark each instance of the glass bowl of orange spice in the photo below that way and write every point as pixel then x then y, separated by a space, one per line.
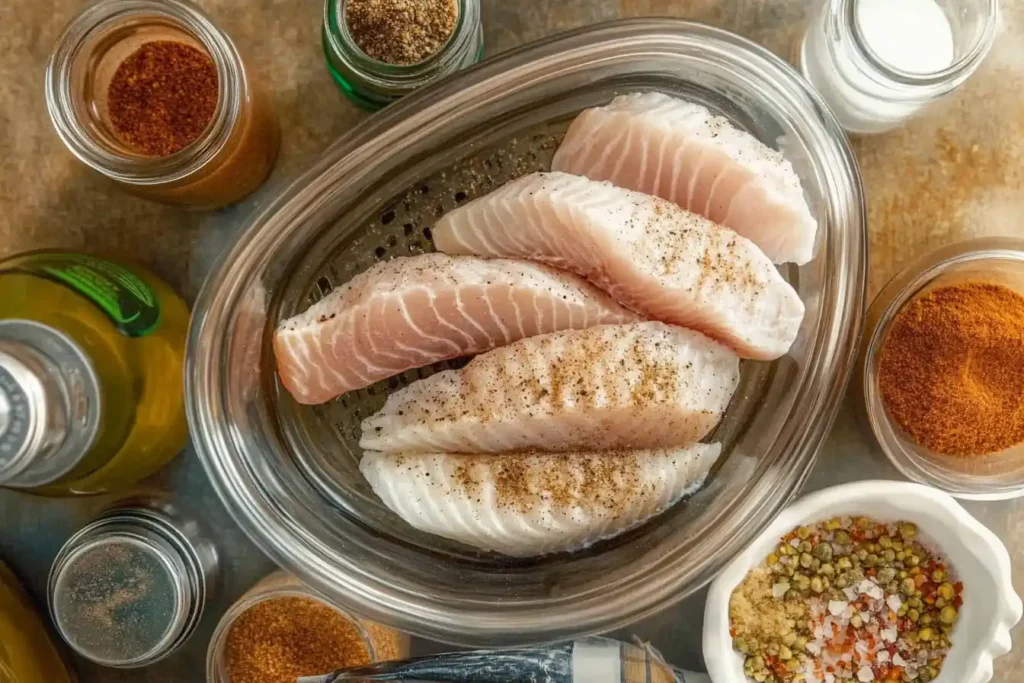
pixel 942 369
pixel 281 630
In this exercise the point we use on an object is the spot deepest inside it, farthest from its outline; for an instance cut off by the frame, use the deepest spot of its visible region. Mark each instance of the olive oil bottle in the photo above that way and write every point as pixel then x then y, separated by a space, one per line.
pixel 27 655
pixel 91 373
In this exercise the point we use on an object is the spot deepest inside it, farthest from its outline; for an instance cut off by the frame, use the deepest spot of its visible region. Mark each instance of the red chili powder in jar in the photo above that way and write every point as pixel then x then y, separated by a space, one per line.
pixel 162 97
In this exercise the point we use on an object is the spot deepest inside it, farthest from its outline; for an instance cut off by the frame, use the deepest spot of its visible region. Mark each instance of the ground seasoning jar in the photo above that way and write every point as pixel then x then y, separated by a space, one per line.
pixel 129 588
pixel 380 50
pixel 281 630
pixel 942 369
pixel 151 94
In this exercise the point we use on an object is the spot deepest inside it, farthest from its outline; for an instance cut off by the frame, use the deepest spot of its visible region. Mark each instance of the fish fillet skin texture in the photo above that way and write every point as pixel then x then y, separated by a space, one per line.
pixel 651 255
pixel 680 151
pixel 528 504
pixel 642 385
pixel 410 312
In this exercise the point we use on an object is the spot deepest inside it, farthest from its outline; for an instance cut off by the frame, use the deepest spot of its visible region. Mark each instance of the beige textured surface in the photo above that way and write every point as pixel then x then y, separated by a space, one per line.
pixel 954 173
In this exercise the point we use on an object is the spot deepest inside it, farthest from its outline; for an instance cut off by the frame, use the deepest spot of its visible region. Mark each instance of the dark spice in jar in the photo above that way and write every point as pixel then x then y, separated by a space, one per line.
pixel 401 31
pixel 951 369
pixel 162 97
pixel 282 639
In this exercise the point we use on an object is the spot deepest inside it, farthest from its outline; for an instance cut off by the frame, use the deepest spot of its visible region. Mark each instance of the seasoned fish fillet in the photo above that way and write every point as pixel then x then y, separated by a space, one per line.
pixel 643 385
pixel 411 312
pixel 535 503
pixel 681 152
pixel 653 256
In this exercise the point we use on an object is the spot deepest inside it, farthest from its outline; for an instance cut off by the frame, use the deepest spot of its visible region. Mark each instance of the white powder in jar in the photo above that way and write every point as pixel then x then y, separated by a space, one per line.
pixel 907 35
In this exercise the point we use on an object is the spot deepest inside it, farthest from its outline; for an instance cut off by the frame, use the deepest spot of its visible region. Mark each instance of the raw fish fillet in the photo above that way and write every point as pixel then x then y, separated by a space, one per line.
pixel 681 152
pixel 535 503
pixel 410 312
pixel 644 385
pixel 658 259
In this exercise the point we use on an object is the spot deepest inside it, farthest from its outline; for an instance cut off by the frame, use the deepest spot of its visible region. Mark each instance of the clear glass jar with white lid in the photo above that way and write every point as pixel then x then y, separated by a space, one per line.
pixel 878 63
pixel 227 161
pixel 373 84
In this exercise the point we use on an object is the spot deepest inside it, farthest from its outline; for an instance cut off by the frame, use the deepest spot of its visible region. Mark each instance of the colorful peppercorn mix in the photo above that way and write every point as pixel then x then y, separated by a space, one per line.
pixel 846 599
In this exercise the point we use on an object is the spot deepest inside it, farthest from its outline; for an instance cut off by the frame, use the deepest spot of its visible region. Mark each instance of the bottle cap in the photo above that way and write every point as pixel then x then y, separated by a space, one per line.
pixel 49 404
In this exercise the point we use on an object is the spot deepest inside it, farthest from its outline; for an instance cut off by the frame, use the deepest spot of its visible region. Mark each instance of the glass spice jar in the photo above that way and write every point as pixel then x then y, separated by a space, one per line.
pixel 229 159
pixel 362 642
pixel 372 83
pixel 130 587
pixel 841 55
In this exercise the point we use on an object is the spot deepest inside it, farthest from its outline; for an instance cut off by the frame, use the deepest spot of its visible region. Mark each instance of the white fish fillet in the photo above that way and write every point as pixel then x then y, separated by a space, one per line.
pixel 648 253
pixel 679 151
pixel 535 503
pixel 411 312
pixel 644 385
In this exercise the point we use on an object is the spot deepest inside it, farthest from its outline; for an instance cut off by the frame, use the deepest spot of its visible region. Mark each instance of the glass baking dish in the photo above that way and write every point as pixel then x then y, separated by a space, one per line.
pixel 288 473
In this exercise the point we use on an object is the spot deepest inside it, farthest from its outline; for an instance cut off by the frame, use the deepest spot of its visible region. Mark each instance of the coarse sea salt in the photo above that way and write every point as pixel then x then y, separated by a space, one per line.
pixel 894 602
pixel 836 607
pixel 865 674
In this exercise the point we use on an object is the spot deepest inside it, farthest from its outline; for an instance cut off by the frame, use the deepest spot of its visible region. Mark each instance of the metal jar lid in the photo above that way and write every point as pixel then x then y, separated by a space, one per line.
pixel 49 404
pixel 129 588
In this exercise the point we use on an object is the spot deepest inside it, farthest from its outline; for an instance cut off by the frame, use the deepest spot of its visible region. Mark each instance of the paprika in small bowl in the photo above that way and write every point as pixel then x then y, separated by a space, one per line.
pixel 942 369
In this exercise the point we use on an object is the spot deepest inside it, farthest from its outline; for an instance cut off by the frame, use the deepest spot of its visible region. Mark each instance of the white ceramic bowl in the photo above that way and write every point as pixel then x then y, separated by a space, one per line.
pixel 990 609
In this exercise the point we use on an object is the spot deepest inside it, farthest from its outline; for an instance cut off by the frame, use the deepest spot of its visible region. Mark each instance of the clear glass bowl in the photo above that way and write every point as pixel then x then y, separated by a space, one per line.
pixel 288 473
pixel 989 259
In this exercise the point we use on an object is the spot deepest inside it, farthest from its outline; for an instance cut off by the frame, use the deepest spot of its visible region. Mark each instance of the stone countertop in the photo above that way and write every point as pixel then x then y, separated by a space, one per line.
pixel 954 173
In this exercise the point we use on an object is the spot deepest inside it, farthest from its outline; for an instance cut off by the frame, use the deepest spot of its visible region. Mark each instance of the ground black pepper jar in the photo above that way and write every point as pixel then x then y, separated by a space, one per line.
pixel 231 156
pixel 371 83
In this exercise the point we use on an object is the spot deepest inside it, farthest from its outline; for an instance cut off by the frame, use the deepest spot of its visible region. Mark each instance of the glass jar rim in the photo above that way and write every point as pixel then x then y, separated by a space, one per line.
pixel 257 595
pixel 105 531
pixel 845 14
pixel 892 298
pixel 139 170
pixel 384 74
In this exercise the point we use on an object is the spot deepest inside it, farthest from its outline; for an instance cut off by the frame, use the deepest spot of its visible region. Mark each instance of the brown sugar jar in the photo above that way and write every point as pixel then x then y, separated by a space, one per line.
pixel 151 94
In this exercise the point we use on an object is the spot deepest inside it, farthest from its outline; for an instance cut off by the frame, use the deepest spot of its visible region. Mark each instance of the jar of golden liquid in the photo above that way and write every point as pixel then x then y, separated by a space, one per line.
pixel 27 655
pixel 91 373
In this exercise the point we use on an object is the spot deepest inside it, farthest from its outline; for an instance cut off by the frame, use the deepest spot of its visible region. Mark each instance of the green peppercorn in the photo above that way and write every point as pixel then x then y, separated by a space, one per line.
pixel 856 621
pixel 940 602
pixel 889 556
pixel 785 653
pixel 803 532
pixel 886 575
pixel 948 614
pixel 908 530
pixel 938 576
pixel 805 546
pixel 913 615
pixel 823 551
pixel 816 584
pixel 926 633
pixel 947 591
pixel 843 538
pixel 789 639
pixel 844 563
pixel 827 570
